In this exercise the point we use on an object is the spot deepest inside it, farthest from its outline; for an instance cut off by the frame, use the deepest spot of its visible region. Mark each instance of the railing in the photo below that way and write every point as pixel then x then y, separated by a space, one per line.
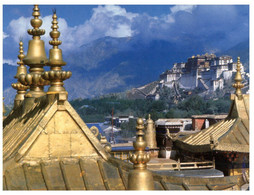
pixel 121 155
pixel 181 165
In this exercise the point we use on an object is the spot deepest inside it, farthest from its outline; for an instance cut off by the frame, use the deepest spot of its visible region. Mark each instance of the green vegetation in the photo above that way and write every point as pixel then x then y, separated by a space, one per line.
pixel 95 110
pixel 128 129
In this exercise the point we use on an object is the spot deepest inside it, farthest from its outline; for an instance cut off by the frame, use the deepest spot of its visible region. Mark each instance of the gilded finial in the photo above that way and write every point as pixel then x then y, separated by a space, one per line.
pixel 21 53
pixel 4 111
pixel 21 89
pixel 238 80
pixel 140 178
pixel 21 56
pixel 54 34
pixel 104 142
pixel 56 75
pixel 36 58
pixel 150 135
pixel 36 23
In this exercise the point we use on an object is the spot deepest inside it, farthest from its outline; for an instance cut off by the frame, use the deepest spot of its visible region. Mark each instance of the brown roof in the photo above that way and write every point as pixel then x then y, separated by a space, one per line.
pixel 230 134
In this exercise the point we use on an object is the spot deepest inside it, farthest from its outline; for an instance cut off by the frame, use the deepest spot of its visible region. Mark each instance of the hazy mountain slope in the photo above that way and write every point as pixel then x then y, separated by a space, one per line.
pixel 242 50
pixel 110 65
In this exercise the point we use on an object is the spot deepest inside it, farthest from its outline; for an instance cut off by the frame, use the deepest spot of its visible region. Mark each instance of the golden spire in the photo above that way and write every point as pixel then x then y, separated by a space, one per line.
pixel 21 89
pixel 140 178
pixel 55 34
pixel 238 80
pixel 150 135
pixel 4 111
pixel 56 75
pixel 35 58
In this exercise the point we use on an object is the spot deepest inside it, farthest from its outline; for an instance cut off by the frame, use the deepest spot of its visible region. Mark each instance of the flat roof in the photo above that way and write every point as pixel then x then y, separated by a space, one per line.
pixel 213 116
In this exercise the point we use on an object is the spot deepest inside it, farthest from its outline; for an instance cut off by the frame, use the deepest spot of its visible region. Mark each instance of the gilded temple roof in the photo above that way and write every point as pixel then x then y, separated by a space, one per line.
pixel 50 147
pixel 230 134
pixel 47 146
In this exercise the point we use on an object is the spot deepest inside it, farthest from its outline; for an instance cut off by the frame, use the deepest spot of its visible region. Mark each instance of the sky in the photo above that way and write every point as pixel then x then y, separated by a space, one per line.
pixel 216 26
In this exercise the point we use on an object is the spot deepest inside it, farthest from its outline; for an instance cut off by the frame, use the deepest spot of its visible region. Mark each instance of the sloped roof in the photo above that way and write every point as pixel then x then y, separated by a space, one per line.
pixel 21 129
pixel 99 174
pixel 230 134
pixel 86 171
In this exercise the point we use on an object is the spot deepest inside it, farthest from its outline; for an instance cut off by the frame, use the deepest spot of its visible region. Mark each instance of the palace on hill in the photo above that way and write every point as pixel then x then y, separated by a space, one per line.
pixel 47 146
pixel 207 72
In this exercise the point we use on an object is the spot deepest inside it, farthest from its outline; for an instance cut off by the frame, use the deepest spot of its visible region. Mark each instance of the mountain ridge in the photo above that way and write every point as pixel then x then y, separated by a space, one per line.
pixel 110 65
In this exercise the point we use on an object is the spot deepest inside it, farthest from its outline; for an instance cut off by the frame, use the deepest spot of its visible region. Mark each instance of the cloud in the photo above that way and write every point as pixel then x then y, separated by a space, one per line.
pixel 5 35
pixel 18 28
pixel 10 62
pixel 214 26
pixel 185 8
pixel 106 20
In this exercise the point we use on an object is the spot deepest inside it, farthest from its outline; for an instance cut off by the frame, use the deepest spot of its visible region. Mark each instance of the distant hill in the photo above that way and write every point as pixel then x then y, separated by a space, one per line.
pixel 242 50
pixel 110 65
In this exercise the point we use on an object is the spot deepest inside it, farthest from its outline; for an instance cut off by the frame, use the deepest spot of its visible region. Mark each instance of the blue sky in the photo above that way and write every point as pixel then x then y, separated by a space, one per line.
pixel 216 26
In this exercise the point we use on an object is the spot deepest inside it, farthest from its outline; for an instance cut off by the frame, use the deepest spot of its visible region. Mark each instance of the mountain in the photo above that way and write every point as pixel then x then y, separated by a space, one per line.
pixel 110 65
pixel 242 50
pixel 117 64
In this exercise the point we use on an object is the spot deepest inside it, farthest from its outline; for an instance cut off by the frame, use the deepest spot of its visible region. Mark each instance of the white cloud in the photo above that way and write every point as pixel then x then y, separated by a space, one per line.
pixel 186 8
pixel 5 35
pixel 18 28
pixel 170 18
pixel 106 20
pixel 122 30
pixel 115 21
pixel 10 62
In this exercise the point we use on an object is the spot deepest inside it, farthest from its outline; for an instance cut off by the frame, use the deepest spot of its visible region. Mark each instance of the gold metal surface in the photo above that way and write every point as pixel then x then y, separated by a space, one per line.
pixel 56 75
pixel 104 142
pixel 4 111
pixel 36 55
pixel 140 178
pixel 230 134
pixel 47 146
pixel 21 89
pixel 35 58
pixel 238 80
pixel 150 135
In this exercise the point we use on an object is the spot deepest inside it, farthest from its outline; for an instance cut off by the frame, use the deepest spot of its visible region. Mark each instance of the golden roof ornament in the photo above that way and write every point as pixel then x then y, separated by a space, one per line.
pixel 140 178
pixel 105 143
pixel 56 75
pixel 35 58
pixel 150 135
pixel 238 80
pixel 4 111
pixel 21 89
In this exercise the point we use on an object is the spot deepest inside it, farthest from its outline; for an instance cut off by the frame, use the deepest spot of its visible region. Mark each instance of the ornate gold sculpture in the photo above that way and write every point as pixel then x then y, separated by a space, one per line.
pixel 105 143
pixel 4 111
pixel 35 58
pixel 140 178
pixel 238 80
pixel 150 135
pixel 56 75
pixel 21 89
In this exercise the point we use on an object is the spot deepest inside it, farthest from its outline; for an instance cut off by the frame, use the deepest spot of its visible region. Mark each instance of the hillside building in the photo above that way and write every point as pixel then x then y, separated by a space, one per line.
pixel 47 146
pixel 206 72
pixel 226 141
